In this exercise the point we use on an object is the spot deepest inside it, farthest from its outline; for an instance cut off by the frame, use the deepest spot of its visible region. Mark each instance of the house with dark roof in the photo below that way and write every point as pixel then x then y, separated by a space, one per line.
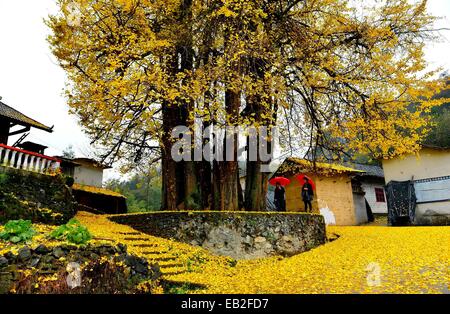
pixel 87 174
pixel 26 156
pixel 90 172
pixel 334 195
pixel 371 181
pixel 13 122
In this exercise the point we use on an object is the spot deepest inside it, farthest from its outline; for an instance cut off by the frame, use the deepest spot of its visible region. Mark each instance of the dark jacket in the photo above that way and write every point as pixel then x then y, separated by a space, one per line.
pixel 307 192
pixel 279 194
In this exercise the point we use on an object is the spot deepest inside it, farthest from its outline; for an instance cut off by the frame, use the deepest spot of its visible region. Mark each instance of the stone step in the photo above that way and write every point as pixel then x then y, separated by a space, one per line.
pixel 169 263
pixel 154 252
pixel 128 233
pixel 174 282
pixel 166 270
pixel 153 245
pixel 136 239
pixel 161 259
pixel 173 273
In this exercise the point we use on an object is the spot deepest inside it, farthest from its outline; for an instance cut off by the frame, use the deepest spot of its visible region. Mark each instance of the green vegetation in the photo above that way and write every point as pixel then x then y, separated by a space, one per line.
pixel 69 152
pixel 440 116
pixel 179 288
pixel 69 181
pixel 143 192
pixel 3 178
pixel 16 231
pixel 440 133
pixel 232 262
pixel 74 232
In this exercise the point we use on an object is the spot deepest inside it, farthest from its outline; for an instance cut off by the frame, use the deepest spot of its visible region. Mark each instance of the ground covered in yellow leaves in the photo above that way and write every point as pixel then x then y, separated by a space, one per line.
pixel 364 259
pixel 42 231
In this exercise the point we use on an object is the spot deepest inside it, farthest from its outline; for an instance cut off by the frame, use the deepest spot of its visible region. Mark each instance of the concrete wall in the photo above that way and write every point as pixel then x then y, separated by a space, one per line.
pixel 360 208
pixel 369 188
pixel 433 201
pixel 430 163
pixel 88 175
pixel 432 208
pixel 334 193
pixel 433 214
pixel 240 235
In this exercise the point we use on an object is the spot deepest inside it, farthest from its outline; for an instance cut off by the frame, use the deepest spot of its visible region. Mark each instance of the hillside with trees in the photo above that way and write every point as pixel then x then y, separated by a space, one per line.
pixel 440 132
pixel 143 192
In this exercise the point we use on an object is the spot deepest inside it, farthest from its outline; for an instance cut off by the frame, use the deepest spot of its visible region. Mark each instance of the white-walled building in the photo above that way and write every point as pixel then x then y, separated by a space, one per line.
pixel 88 172
pixel 428 173
pixel 87 175
pixel 372 183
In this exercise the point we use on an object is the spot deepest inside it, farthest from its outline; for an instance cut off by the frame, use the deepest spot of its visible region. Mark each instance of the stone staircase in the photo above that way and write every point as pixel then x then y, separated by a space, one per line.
pixel 167 261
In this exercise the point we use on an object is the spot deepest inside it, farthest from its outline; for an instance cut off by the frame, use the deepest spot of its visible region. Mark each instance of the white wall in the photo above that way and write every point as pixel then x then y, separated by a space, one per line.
pixel 433 199
pixel 377 207
pixel 88 175
pixel 360 208
pixel 430 163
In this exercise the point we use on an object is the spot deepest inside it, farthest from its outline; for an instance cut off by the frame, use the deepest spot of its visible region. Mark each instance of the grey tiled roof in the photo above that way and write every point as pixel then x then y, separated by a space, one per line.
pixel 19 118
pixel 372 171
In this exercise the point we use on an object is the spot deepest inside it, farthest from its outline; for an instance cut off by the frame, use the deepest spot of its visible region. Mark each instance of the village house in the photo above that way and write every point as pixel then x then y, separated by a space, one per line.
pixel 28 156
pixel 87 174
pixel 426 179
pixel 372 183
pixel 334 196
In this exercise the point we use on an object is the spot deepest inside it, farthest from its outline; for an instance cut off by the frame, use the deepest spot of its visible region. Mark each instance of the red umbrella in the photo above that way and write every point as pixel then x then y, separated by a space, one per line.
pixel 301 179
pixel 281 180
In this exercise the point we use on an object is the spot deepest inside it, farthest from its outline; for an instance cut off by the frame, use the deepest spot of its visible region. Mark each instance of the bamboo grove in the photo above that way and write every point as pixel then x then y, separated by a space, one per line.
pixel 332 75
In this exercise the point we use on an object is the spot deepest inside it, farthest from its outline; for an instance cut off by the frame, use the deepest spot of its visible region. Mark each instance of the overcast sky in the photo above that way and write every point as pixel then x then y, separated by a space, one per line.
pixel 32 82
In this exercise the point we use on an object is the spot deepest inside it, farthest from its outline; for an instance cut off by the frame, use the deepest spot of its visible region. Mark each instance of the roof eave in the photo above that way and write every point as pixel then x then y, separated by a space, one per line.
pixel 39 126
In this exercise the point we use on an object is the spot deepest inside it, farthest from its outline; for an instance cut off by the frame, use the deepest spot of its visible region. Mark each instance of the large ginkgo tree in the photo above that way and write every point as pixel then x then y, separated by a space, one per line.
pixel 331 75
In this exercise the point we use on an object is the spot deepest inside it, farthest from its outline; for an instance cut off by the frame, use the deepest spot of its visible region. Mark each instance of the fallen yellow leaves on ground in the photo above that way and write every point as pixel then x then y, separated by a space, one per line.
pixel 42 232
pixel 364 259
pixel 96 190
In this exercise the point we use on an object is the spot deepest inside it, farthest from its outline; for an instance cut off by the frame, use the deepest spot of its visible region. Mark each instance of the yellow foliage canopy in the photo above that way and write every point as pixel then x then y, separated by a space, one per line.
pixel 331 75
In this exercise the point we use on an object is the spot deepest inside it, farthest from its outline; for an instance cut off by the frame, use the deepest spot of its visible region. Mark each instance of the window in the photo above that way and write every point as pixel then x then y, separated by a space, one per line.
pixel 379 195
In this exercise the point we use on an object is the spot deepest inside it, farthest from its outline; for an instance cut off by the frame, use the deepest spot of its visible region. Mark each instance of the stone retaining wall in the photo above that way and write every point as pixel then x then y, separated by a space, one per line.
pixel 103 269
pixel 34 196
pixel 241 235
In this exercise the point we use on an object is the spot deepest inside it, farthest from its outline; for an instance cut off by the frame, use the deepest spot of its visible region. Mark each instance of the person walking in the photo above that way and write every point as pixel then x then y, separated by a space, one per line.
pixel 307 194
pixel 279 198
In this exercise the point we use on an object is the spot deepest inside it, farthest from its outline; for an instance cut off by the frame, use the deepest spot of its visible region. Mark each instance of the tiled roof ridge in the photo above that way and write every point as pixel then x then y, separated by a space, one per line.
pixel 13 114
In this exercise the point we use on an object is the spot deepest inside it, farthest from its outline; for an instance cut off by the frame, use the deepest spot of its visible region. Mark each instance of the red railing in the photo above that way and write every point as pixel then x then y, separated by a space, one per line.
pixel 29 153
pixel 22 159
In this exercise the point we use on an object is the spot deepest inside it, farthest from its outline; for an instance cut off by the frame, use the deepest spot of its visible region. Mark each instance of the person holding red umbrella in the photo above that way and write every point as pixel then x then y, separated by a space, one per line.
pixel 307 194
pixel 279 200
pixel 279 197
